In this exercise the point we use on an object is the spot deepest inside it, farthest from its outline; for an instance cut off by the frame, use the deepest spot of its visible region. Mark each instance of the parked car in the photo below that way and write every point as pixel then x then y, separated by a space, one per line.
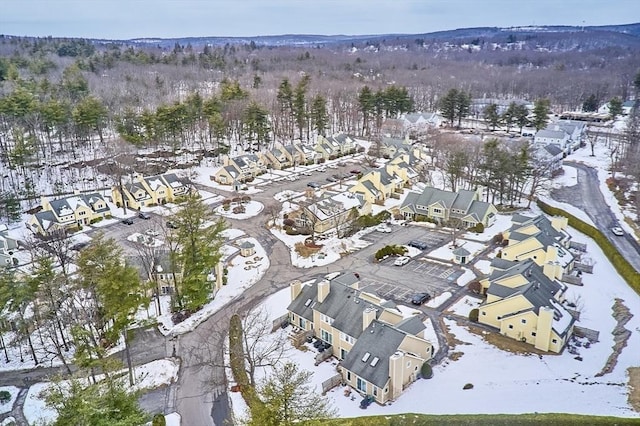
pixel 151 232
pixel 171 225
pixel 314 185
pixel 403 260
pixel 332 166
pixel 355 171
pixel 420 298
pixel 331 179
pixel 79 246
pixel 127 221
pixel 383 228
pixel 291 178
pixel 342 164
pixel 420 245
pixel 366 401
pixel 322 169
pixel 143 215
pixel 307 173
pixel 616 230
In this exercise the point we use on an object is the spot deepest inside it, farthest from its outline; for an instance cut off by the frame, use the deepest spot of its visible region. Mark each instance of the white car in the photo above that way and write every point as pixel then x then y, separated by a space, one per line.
pixel 616 230
pixel 383 228
pixel 403 260
pixel 151 232
pixel 322 169
pixel 332 166
pixel 291 178
pixel 307 173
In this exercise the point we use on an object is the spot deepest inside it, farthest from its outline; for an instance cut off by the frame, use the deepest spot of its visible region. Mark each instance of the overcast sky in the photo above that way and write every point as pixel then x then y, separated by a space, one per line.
pixel 125 19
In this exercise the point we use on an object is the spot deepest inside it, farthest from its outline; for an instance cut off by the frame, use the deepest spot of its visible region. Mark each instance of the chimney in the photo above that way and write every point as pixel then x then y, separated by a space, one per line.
pixel 323 290
pixel 295 287
pixel 368 315
pixel 559 223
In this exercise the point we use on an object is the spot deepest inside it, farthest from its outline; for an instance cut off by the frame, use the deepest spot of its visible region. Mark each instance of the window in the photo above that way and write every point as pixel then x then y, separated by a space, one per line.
pixel 343 353
pixel 523 320
pixel 437 211
pixel 326 336
pixel 408 364
pixel 303 323
pixel 484 313
pixel 554 341
pixel 375 391
pixel 533 333
pixel 326 319
pixel 346 338
pixel 348 376
pixel 361 385
pixel 510 326
pixel 386 390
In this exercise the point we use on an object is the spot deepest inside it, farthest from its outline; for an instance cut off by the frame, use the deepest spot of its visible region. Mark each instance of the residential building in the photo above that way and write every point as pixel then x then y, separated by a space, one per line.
pixel 523 303
pixel 148 191
pixel 66 213
pixel 331 147
pixel 443 206
pixel 550 155
pixel 8 247
pixel 331 211
pixel 566 134
pixel 159 269
pixel 420 122
pixel 380 350
pixel 241 168
pixel 543 240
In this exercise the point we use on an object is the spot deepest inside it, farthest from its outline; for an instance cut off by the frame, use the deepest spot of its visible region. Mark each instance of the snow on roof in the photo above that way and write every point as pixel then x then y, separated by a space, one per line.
pixel 564 256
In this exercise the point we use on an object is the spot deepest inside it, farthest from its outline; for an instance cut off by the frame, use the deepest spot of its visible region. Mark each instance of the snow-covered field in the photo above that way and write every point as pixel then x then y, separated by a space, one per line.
pixel 148 376
pixel 500 378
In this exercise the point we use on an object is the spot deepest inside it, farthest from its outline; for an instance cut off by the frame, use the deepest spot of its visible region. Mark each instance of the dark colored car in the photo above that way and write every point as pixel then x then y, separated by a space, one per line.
pixel 127 221
pixel 79 246
pixel 313 185
pixel 355 172
pixel 420 298
pixel 366 401
pixel 171 225
pixel 420 245
pixel 143 215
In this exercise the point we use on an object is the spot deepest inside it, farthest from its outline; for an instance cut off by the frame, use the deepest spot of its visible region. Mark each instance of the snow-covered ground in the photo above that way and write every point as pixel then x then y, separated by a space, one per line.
pixel 8 406
pixel 446 251
pixel 503 377
pixel 148 376
pixel 242 273
pixel 252 208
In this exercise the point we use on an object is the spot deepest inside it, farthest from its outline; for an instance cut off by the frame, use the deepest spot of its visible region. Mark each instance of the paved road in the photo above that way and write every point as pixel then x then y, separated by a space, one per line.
pixel 587 197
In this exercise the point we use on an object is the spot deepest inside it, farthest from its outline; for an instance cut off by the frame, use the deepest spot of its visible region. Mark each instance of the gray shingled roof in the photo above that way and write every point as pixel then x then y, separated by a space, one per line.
pixel 411 325
pixel 539 290
pixel 380 341
pixel 553 150
pixel 551 134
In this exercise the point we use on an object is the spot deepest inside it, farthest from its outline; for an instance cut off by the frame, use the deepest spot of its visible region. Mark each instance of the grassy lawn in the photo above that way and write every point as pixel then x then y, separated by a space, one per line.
pixel 479 419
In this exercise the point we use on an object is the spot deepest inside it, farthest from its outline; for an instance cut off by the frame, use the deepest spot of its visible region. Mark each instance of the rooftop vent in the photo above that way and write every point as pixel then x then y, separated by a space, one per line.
pixel 374 362
pixel 366 357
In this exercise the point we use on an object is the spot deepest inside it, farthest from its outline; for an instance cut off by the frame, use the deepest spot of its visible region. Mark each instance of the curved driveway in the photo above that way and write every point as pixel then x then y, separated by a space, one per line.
pixel 587 197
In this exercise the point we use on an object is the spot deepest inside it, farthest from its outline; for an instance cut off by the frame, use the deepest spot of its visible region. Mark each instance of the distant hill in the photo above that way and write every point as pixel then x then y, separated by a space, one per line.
pixel 627 32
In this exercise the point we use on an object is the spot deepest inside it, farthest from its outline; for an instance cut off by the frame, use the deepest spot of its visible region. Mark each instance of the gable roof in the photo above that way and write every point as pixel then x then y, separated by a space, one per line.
pixel 539 290
pixel 380 341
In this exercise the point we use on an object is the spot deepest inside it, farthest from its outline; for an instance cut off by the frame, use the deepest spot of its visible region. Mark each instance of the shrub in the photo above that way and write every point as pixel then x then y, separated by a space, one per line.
pixel 497 239
pixel 5 396
pixel 426 371
pixel 95 220
pixel 468 386
pixel 473 315
pixel 389 251
pixel 159 420
pixel 479 228
pixel 475 287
